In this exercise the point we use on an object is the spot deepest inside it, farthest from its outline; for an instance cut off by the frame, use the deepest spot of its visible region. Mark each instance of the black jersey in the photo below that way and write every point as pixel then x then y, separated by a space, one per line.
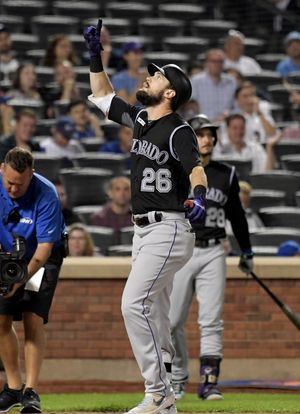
pixel 223 201
pixel 163 152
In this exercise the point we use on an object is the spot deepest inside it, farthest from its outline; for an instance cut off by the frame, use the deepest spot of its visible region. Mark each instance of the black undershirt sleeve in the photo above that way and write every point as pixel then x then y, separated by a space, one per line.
pixel 122 112
pixel 236 215
pixel 185 147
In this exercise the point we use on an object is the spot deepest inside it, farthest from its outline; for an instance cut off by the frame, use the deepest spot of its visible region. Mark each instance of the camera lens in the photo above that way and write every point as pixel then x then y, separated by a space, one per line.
pixel 12 271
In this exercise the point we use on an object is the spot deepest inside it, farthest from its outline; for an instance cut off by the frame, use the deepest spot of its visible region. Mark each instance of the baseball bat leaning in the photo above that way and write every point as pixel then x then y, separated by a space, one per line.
pixel 285 308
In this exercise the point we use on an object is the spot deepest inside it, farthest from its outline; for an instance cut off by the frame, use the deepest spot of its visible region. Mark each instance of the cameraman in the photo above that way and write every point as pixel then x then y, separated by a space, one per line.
pixel 30 208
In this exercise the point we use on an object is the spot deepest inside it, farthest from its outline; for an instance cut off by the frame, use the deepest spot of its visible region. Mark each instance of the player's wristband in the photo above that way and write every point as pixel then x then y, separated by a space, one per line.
pixel 199 191
pixel 96 65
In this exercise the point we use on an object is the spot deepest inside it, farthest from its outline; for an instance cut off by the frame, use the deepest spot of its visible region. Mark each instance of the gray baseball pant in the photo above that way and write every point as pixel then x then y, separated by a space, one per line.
pixel 204 275
pixel 159 251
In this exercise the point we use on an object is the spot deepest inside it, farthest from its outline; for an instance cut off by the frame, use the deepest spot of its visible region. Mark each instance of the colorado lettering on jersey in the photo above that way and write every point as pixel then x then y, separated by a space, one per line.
pixel 149 150
pixel 217 195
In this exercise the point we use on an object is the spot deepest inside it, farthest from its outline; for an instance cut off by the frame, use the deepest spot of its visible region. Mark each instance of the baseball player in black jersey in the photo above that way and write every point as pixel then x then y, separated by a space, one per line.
pixel 165 163
pixel 205 272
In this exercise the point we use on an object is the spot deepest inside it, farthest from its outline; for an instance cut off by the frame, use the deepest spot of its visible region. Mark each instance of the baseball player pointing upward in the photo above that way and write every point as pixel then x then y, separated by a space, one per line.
pixel 165 163
pixel 205 273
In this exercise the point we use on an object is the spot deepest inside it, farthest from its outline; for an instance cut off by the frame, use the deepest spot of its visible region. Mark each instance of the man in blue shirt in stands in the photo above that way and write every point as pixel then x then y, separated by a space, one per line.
pixel 29 208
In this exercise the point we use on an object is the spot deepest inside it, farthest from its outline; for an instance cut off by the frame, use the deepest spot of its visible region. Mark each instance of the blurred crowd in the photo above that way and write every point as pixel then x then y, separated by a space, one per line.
pixel 44 106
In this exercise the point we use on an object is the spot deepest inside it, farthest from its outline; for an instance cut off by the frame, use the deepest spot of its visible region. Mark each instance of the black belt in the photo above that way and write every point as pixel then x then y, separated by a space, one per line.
pixel 144 221
pixel 206 243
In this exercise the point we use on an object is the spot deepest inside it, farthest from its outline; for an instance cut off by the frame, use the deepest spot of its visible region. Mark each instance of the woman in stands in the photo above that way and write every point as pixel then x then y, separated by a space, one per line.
pixel 59 50
pixel 25 83
pixel 80 241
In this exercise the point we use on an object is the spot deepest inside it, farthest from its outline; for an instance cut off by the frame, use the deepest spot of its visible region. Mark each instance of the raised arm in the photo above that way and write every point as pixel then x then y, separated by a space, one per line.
pixel 100 83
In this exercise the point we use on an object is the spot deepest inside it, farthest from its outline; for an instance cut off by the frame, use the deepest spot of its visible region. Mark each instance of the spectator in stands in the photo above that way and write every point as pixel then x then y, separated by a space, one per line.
pixel 122 145
pixel 239 147
pixel 63 90
pixel 6 116
pixel 289 248
pixel 86 123
pixel 116 213
pixel 292 48
pixel 25 83
pixel 25 127
pixel 128 81
pixel 61 143
pixel 80 241
pixel 254 222
pixel 68 213
pixel 234 48
pixel 60 50
pixel 259 122
pixel 8 63
pixel 213 89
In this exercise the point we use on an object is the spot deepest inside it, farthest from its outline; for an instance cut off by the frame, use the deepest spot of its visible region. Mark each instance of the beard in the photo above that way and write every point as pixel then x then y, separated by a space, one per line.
pixel 149 100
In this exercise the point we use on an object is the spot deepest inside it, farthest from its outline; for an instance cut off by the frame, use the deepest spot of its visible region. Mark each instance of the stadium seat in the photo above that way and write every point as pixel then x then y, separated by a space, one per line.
pixel 103 237
pixel 297 195
pixel 22 42
pixel 15 24
pixel 44 74
pixel 120 250
pixel 274 236
pixel 126 234
pixel 35 56
pixel 182 11
pixel 48 166
pixel 243 167
pixel 43 126
pixel 253 46
pixel 286 181
pixel 213 30
pixel 80 9
pixel 280 216
pixel 160 27
pixel 85 212
pixel 114 26
pixel 115 162
pixel 83 75
pixel 46 26
pixel 128 10
pixel 269 61
pixel 286 147
pixel 277 111
pixel 110 129
pixel 146 41
pixel 280 94
pixel 24 8
pixel 294 78
pixel 265 79
pixel 164 58
pixel 291 162
pixel 37 106
pixel 92 144
pixel 85 186
pixel 185 44
pixel 266 198
pixel 264 250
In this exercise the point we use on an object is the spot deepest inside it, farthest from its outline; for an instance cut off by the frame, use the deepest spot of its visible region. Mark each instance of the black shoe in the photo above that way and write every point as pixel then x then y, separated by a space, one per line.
pixel 31 401
pixel 9 398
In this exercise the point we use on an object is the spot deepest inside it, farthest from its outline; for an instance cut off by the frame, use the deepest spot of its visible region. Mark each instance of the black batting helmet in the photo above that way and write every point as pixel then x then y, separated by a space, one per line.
pixel 201 121
pixel 178 80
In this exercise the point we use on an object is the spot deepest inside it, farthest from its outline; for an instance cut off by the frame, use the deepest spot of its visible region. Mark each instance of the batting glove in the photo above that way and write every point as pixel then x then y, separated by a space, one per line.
pixel 246 261
pixel 195 209
pixel 92 39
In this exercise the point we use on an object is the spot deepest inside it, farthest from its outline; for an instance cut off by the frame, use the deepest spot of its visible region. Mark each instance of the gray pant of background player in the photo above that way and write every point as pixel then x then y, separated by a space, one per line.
pixel 159 251
pixel 204 275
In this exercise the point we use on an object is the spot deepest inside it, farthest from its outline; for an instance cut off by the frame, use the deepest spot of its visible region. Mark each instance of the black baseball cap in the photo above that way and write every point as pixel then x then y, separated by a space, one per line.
pixel 178 80
pixel 201 121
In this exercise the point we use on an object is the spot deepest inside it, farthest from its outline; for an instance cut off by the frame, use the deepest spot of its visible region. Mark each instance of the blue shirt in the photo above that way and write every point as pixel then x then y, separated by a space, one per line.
pixel 286 66
pixel 122 80
pixel 41 219
pixel 213 98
